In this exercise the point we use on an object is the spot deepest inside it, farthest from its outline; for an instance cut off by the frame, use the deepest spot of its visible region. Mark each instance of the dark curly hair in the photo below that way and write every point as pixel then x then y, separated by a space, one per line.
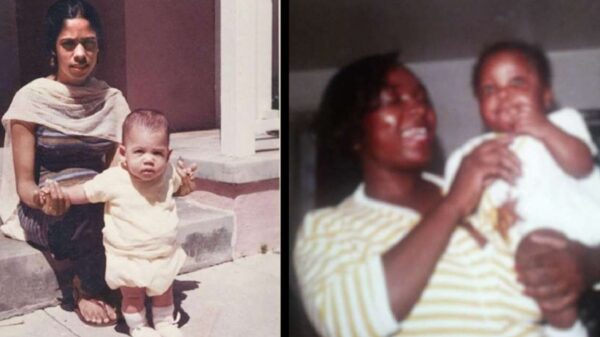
pixel 534 54
pixel 351 94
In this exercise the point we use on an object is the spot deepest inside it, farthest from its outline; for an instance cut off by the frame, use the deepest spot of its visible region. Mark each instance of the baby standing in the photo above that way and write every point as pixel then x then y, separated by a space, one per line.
pixel 143 256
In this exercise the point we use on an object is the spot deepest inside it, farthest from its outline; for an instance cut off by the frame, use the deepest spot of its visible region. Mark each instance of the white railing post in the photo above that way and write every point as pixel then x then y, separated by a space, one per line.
pixel 264 65
pixel 238 41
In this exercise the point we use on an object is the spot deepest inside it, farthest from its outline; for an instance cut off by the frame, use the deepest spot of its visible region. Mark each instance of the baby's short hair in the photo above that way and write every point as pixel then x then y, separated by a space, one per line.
pixel 533 53
pixel 151 119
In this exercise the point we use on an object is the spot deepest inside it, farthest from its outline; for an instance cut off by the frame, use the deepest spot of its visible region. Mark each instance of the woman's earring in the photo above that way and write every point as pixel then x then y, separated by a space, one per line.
pixel 52 60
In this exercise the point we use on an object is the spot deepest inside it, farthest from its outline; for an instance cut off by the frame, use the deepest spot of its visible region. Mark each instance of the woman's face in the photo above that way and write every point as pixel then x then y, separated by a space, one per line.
pixel 509 86
pixel 76 51
pixel 400 133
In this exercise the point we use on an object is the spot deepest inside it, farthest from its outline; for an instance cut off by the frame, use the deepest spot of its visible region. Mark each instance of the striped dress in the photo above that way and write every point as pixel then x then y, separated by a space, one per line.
pixel 68 160
pixel 472 291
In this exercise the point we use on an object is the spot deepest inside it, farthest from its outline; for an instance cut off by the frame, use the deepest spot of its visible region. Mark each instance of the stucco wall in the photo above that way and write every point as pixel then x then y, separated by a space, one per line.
pixel 170 52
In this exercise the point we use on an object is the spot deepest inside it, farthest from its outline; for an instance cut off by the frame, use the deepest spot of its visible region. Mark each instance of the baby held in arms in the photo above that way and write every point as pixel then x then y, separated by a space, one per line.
pixel 559 185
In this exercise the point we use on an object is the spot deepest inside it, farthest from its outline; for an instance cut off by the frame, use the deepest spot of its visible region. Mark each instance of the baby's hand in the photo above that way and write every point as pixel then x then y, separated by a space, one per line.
pixel 52 199
pixel 40 196
pixel 530 121
pixel 187 177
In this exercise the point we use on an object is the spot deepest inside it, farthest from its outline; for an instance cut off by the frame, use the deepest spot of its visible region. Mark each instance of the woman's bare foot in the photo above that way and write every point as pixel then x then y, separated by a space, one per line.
pixel 96 312
pixel 91 309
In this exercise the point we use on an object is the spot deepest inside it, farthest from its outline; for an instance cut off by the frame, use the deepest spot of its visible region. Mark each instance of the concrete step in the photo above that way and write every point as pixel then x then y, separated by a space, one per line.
pixel 205 233
pixel 204 149
pixel 27 282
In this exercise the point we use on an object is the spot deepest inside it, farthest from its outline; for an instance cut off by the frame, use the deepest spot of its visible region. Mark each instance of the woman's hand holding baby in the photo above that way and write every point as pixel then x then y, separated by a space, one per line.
pixel 51 199
pixel 489 161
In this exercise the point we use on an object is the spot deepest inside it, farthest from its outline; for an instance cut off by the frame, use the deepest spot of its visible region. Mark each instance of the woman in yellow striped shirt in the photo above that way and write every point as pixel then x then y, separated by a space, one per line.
pixel 394 258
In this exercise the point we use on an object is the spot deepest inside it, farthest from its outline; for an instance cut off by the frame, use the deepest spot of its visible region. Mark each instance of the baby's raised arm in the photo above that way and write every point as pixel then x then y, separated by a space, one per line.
pixel 187 178
pixel 571 153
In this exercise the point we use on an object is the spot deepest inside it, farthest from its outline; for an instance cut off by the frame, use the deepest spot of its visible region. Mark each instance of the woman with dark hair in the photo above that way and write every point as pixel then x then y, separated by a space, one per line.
pixel 65 128
pixel 339 171
pixel 396 258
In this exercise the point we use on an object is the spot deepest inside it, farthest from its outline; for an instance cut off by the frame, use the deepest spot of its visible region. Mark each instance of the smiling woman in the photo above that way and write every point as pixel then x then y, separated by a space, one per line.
pixel 405 120
pixel 64 128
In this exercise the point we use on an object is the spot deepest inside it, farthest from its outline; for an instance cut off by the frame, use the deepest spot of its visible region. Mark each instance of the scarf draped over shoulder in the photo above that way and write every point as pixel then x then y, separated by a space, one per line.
pixel 94 110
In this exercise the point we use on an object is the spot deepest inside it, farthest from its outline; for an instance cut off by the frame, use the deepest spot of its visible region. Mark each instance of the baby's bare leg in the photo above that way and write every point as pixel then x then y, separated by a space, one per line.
pixel 526 252
pixel 165 299
pixel 134 312
pixel 162 312
pixel 133 299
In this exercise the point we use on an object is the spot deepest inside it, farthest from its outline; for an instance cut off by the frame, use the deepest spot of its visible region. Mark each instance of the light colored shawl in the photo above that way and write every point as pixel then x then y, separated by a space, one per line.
pixel 94 109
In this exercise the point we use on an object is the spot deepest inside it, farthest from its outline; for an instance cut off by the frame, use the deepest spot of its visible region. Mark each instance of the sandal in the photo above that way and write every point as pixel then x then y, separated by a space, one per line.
pixel 79 294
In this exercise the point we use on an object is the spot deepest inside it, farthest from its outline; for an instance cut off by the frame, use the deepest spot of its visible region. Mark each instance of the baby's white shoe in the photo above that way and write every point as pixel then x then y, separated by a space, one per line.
pixel 164 322
pixel 138 326
pixel 167 329
pixel 143 331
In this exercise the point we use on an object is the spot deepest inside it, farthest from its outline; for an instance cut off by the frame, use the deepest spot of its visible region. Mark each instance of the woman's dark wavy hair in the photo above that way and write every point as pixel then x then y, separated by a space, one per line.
pixel 351 94
pixel 534 54
pixel 69 9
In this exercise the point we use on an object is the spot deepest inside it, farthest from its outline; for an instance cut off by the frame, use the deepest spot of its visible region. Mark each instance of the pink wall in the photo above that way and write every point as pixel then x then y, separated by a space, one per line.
pixel 112 60
pixel 170 53
pixel 30 32
pixel 9 56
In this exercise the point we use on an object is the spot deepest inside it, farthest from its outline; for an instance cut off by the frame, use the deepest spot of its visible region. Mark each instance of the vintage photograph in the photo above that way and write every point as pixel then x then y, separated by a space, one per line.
pixel 139 168
pixel 444 176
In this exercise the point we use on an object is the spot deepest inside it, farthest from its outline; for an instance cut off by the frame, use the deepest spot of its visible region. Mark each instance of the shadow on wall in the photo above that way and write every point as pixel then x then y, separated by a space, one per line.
pixel 302 179
pixel 302 182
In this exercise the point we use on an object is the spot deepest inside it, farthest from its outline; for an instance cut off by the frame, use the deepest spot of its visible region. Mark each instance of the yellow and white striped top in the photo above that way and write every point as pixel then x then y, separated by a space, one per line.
pixel 472 292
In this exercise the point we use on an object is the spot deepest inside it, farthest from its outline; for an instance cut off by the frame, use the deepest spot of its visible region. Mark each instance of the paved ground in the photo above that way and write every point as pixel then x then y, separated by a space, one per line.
pixel 239 298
